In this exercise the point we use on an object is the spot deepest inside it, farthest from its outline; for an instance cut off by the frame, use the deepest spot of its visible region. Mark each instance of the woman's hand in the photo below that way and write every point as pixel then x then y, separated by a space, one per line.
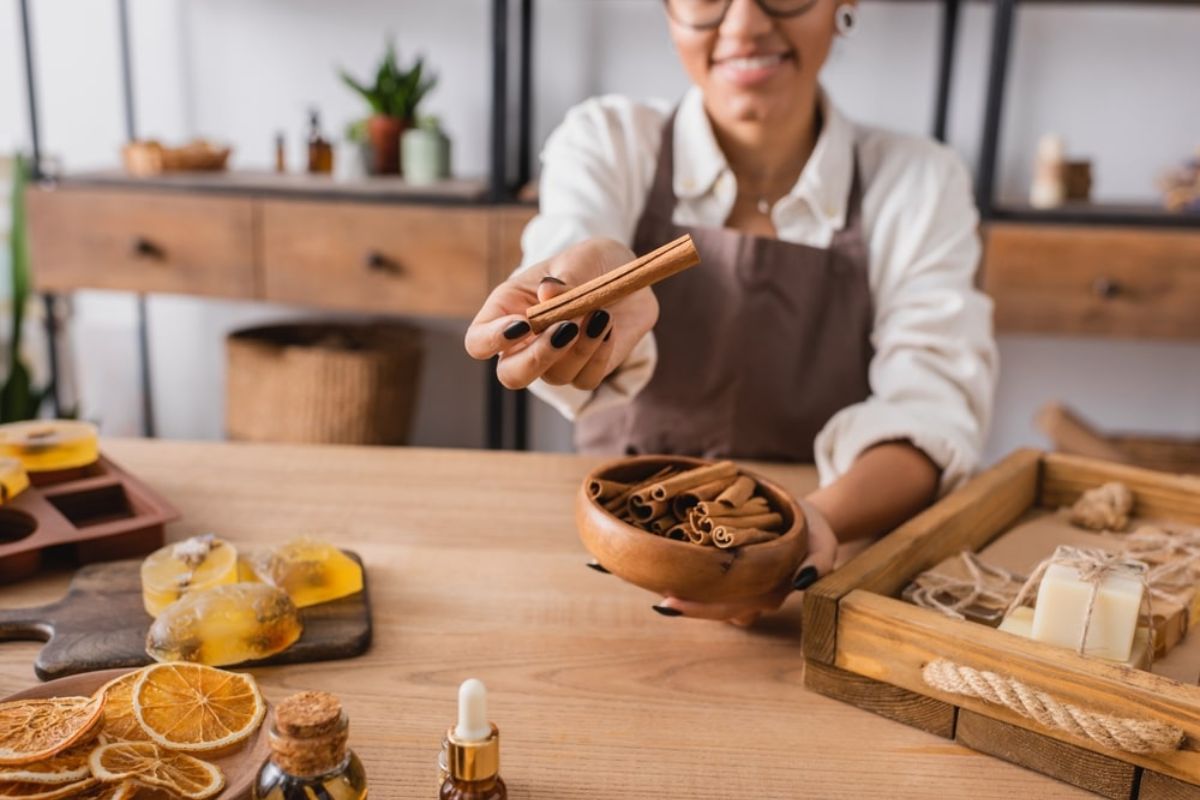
pixel 822 549
pixel 579 352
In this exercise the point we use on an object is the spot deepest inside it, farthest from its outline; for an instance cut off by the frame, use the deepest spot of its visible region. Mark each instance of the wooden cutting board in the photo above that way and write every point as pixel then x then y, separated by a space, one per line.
pixel 101 624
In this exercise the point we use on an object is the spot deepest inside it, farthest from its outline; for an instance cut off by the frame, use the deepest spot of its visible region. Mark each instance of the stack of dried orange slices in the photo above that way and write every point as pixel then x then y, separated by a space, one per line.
pixel 144 734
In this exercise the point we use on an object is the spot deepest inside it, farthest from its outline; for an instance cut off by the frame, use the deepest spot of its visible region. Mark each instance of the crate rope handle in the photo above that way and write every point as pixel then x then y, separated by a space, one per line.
pixel 1114 733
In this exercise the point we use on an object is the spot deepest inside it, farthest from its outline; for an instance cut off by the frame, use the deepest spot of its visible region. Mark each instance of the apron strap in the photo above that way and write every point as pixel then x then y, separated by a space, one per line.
pixel 661 198
pixel 851 233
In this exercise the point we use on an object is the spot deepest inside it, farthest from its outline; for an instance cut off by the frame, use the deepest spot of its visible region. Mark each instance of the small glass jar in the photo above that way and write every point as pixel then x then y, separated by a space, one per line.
pixel 309 753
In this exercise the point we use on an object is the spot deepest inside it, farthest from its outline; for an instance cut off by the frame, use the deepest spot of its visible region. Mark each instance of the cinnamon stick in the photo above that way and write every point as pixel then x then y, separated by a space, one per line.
pixel 726 538
pixel 614 505
pixel 603 291
pixel 685 501
pixel 603 491
pixel 770 520
pixel 690 479
pixel 738 493
pixel 756 505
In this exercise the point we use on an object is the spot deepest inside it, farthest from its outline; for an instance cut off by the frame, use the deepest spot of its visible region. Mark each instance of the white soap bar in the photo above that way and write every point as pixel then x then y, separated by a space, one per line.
pixel 1061 611
pixel 1019 622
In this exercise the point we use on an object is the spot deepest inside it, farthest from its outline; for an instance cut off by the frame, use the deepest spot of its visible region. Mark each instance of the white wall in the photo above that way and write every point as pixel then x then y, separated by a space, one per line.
pixel 1117 82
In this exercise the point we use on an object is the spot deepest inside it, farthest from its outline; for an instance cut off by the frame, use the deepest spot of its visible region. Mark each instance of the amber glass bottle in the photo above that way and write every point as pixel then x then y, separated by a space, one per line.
pixel 309 756
pixel 320 152
pixel 472 750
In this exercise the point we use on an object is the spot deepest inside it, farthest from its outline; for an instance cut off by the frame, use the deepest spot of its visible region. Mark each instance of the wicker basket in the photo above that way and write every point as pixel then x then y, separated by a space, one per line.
pixel 332 383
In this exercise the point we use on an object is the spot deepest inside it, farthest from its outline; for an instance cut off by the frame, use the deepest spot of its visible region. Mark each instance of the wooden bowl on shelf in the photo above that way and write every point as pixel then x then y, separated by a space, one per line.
pixel 681 569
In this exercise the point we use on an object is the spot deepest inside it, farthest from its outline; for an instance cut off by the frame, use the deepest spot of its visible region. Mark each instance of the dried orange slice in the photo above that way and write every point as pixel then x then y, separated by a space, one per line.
pixel 69 766
pixel 20 790
pixel 147 763
pixel 34 730
pixel 196 708
pixel 119 723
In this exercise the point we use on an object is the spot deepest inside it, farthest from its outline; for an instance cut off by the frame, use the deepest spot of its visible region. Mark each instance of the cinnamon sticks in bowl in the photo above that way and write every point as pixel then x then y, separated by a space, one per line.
pixel 689 528
pixel 603 291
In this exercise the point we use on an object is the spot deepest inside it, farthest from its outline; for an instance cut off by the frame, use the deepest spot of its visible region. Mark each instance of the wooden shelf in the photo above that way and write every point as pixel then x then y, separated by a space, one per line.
pixel 295 186
pixel 1107 215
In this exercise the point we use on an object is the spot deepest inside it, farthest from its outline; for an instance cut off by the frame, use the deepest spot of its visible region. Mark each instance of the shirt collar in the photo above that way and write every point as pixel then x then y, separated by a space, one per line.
pixel 824 183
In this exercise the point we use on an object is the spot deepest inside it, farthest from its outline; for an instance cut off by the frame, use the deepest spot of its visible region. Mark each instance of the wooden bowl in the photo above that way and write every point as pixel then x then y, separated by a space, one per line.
pixel 240 765
pixel 681 569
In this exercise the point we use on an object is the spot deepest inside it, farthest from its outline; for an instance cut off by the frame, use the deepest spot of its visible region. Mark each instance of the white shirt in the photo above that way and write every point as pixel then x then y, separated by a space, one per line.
pixel 933 374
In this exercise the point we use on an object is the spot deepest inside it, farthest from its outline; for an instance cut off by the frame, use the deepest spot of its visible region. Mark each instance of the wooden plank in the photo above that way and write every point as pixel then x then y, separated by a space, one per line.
pixel 1091 280
pixel 892 641
pixel 901 705
pixel 967 519
pixel 1106 776
pixel 1156 786
pixel 1174 497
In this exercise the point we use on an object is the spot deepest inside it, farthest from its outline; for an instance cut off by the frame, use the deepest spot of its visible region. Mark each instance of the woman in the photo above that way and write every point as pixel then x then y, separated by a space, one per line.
pixel 833 317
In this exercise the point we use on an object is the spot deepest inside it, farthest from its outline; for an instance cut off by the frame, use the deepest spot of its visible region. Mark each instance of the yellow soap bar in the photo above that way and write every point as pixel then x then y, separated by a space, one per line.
pixel 309 570
pixel 1020 623
pixel 13 479
pixel 171 572
pixel 225 624
pixel 48 445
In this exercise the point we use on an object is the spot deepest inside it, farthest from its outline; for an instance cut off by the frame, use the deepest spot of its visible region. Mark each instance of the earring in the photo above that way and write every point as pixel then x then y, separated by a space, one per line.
pixel 845 19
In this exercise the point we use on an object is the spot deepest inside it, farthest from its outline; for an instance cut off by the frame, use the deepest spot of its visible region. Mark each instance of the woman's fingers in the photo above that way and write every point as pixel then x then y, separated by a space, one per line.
pixel 597 367
pixel 590 340
pixel 517 370
pixel 487 339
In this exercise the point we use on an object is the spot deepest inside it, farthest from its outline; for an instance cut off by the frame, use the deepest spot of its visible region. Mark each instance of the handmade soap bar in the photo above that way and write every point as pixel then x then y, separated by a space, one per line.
pixel 226 624
pixel 1062 612
pixel 310 571
pixel 1019 621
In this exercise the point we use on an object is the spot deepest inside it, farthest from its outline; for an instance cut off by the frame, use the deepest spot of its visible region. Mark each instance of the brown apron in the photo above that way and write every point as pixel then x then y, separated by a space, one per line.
pixel 758 346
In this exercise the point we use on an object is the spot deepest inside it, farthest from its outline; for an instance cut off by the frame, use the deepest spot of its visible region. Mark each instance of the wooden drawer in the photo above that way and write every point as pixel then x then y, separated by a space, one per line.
pixel 425 260
pixel 1136 282
pixel 142 242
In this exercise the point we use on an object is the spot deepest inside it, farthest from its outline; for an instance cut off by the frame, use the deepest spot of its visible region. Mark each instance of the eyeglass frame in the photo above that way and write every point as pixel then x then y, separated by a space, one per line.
pixel 804 9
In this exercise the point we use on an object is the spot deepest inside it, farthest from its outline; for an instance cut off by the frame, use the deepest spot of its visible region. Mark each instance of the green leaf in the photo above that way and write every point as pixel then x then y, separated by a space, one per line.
pixel 396 92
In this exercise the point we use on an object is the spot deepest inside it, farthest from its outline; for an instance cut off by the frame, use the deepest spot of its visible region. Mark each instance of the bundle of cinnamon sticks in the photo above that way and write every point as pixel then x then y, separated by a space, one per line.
pixel 711 506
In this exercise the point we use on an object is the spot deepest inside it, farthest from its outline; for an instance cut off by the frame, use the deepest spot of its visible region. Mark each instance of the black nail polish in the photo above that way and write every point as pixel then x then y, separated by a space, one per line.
pixel 516 330
pixel 807 577
pixel 552 279
pixel 564 334
pixel 596 565
pixel 667 611
pixel 597 324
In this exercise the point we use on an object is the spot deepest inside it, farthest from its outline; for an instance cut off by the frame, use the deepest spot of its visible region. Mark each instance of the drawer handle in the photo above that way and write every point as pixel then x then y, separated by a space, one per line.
pixel 145 248
pixel 1107 288
pixel 379 262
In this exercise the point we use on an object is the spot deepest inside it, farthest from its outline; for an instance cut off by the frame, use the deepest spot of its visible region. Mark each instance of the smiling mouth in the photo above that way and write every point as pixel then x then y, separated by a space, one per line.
pixel 754 62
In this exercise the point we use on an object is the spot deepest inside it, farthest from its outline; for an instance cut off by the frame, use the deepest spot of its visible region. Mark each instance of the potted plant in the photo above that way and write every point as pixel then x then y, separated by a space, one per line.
pixel 394 98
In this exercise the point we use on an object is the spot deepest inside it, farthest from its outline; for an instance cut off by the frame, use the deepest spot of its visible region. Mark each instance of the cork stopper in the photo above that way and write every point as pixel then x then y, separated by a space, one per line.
pixel 310 733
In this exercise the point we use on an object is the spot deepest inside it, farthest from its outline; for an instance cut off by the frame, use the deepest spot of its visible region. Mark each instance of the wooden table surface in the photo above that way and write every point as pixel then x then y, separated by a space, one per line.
pixel 475 571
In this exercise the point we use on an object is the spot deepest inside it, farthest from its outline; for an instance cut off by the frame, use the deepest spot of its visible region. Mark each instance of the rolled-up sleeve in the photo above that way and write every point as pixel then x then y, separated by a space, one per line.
pixel 934 368
pixel 595 169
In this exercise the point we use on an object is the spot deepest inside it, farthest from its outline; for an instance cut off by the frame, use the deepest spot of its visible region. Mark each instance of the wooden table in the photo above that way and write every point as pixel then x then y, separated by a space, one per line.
pixel 475 570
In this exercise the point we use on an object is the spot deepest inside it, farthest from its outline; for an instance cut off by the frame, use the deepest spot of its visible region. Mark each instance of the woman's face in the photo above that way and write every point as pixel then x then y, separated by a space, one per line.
pixel 754 67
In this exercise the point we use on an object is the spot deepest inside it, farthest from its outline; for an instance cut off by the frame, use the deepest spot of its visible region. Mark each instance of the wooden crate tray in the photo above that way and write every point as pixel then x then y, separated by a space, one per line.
pixel 95 513
pixel 865 646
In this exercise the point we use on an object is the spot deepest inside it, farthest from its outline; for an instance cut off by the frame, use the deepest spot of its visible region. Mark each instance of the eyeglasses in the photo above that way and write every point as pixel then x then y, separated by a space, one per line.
pixel 705 15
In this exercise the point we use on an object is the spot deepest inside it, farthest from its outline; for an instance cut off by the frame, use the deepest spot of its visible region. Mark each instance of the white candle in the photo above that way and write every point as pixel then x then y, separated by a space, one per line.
pixel 1061 612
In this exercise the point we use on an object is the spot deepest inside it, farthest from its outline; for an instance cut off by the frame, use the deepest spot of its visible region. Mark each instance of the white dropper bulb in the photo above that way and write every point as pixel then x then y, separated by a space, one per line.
pixel 472 712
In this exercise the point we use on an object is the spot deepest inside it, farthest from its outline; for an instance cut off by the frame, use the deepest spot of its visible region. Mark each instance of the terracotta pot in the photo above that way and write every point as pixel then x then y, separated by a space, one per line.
pixel 681 569
pixel 384 133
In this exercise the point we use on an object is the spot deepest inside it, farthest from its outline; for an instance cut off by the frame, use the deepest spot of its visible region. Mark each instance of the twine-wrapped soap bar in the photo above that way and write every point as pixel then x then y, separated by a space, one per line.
pixel 1088 600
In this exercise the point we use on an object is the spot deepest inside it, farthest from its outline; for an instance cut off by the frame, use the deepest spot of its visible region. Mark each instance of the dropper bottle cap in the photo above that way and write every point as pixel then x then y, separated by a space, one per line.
pixel 474 743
